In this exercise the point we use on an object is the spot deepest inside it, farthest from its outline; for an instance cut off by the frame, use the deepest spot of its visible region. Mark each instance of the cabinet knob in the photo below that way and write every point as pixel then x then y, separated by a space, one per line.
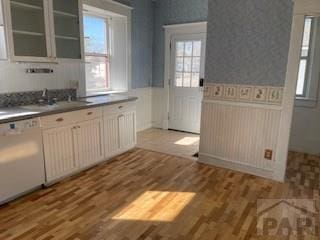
pixel 89 113
pixel 60 120
pixel 120 107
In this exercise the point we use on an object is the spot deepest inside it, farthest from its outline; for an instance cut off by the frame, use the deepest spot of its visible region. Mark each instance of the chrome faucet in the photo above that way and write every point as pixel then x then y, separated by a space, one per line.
pixel 44 97
pixel 45 93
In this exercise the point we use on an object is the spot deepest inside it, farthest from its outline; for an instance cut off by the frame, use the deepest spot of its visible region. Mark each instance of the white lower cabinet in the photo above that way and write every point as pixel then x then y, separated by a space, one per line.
pixel 88 143
pixel 119 132
pixel 77 140
pixel 127 130
pixel 59 152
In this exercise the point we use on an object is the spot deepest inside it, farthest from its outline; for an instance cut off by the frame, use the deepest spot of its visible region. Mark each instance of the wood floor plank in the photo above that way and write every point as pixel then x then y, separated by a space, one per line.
pixel 148 195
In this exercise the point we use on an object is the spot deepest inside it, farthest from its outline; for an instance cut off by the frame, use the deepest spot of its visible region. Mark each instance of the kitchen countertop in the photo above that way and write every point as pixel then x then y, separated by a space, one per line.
pixel 13 114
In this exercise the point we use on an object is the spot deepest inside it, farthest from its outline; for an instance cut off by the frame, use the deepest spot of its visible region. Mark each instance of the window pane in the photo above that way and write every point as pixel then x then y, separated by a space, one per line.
pixel 187 79
pixel 187 64
pixel 97 73
pixel 197 49
pixel 95 32
pixel 188 49
pixel 306 37
pixel 196 64
pixel 180 49
pixel 195 80
pixel 179 64
pixel 178 79
pixel 301 77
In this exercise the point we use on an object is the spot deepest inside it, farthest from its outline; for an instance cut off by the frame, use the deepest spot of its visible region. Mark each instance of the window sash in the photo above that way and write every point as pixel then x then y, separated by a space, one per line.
pixel 306 58
pixel 106 55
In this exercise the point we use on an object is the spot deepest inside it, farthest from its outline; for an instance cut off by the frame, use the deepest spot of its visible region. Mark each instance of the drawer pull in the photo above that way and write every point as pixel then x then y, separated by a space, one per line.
pixel 89 113
pixel 60 120
pixel 120 107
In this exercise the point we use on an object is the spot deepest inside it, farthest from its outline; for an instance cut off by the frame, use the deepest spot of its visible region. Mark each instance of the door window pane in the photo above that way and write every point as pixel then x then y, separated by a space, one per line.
pixel 187 79
pixel 179 79
pixel 196 65
pixel 188 49
pixel 195 80
pixel 197 49
pixel 187 63
pixel 179 64
pixel 180 49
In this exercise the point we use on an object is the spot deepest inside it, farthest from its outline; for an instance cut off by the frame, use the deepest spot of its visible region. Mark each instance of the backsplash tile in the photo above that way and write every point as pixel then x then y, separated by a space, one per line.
pixel 32 97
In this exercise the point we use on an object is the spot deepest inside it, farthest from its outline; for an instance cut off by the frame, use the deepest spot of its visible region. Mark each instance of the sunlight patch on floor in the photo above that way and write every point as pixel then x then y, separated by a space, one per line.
pixel 156 206
pixel 187 141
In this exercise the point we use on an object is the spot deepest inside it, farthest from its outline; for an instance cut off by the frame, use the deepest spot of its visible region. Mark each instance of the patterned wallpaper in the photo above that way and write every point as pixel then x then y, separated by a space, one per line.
pixel 248 41
pixel 142 43
pixel 172 12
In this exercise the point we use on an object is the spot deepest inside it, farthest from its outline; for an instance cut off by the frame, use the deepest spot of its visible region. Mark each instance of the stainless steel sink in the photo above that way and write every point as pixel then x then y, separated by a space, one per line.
pixel 58 105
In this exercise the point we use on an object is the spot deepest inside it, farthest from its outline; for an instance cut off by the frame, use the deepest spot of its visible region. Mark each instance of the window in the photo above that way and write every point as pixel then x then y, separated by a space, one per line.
pixel 3 50
pixel 188 61
pixel 97 53
pixel 305 57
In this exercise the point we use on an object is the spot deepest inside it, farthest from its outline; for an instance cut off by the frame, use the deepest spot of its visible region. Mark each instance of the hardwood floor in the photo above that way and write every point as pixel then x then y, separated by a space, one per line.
pixel 171 142
pixel 150 195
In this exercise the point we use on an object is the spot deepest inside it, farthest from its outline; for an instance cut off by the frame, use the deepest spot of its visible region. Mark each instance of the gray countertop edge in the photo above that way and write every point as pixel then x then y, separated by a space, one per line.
pixel 64 110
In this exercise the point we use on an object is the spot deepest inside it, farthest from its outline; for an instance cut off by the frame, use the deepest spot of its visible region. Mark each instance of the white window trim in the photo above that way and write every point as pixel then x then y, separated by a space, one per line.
pixel 310 97
pixel 116 9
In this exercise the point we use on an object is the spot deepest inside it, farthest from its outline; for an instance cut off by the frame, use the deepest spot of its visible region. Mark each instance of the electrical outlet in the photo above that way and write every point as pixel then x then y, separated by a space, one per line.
pixel 268 154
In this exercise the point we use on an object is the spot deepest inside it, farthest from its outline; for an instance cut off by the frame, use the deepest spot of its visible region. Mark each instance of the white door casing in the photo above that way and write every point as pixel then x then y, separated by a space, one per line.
pixel 192 105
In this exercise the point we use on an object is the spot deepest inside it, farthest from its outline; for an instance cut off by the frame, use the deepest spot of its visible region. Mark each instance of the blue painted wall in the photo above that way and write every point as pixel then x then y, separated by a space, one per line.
pixel 248 41
pixel 172 12
pixel 142 43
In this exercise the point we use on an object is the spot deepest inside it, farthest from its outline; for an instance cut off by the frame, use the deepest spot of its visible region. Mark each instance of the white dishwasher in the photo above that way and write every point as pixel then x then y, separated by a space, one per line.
pixel 21 158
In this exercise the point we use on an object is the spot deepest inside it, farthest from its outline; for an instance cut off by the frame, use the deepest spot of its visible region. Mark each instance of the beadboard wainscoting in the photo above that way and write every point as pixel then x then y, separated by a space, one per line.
pixel 236 135
pixel 143 107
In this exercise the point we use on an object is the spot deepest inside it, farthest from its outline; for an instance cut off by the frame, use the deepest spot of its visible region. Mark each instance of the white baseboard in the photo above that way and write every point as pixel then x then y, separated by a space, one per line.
pixel 236 166
pixel 144 127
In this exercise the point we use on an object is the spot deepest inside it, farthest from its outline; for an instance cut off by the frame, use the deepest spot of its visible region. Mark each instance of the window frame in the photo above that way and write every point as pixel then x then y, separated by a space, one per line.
pixel 308 58
pixel 107 55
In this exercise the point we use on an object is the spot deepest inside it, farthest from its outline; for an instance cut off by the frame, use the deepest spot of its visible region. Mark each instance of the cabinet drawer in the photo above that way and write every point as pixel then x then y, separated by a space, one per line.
pixel 67 118
pixel 121 107
pixel 87 114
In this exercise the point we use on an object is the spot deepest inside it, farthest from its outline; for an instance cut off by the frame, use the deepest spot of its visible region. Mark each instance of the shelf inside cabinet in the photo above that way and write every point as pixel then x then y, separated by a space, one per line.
pixel 67 38
pixel 25 5
pixel 65 14
pixel 27 33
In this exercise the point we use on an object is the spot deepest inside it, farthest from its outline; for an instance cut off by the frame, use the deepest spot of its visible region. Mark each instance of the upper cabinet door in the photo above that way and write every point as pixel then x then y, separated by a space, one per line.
pixel 43 30
pixel 66 17
pixel 29 38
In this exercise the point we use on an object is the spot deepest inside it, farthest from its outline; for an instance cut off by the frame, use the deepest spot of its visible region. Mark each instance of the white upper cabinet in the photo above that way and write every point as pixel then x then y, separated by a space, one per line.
pixel 43 30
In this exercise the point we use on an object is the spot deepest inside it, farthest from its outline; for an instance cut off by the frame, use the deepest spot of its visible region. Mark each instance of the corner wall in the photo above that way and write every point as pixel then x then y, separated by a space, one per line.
pixel 247 52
